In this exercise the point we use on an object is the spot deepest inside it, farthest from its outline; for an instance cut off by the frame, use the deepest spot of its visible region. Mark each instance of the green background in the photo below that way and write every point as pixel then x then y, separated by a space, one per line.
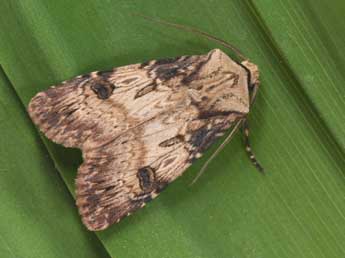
pixel 296 209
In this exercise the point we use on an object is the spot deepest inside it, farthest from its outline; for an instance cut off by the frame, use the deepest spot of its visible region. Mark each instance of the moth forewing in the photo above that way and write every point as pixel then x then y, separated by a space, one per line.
pixel 140 126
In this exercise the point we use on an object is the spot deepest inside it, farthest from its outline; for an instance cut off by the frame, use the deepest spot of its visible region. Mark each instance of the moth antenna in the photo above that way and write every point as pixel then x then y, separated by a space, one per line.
pixel 196 31
pixel 249 148
pixel 227 140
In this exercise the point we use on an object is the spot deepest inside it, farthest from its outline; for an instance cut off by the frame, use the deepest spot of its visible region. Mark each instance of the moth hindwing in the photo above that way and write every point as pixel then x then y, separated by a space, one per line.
pixel 140 126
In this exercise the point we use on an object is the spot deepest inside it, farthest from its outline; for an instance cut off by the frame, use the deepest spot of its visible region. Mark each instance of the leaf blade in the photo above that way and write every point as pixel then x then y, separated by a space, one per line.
pixel 295 210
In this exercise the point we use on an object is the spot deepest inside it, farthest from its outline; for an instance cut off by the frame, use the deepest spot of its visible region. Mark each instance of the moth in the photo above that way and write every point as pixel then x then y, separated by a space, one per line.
pixel 141 126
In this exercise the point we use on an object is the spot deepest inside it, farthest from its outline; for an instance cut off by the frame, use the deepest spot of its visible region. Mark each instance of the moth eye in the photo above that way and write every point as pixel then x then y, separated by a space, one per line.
pixel 146 176
pixel 102 90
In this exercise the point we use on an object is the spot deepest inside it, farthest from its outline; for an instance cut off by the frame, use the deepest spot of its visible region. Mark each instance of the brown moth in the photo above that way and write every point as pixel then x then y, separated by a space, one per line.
pixel 141 126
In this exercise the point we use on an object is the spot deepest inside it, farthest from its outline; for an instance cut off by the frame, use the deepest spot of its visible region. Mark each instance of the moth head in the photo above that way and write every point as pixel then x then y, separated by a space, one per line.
pixel 254 81
pixel 254 72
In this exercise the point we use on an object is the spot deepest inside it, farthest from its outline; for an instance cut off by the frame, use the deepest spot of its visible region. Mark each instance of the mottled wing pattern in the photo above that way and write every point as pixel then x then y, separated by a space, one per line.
pixel 140 126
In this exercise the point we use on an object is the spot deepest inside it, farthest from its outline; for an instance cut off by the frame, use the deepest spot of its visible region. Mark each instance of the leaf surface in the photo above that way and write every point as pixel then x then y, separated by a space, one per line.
pixel 297 123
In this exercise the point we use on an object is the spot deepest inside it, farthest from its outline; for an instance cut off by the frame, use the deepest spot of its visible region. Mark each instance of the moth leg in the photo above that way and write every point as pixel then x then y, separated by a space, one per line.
pixel 248 148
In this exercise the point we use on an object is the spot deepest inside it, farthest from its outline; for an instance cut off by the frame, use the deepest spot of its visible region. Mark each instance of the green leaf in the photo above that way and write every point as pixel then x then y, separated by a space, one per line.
pixel 297 208
pixel 312 52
